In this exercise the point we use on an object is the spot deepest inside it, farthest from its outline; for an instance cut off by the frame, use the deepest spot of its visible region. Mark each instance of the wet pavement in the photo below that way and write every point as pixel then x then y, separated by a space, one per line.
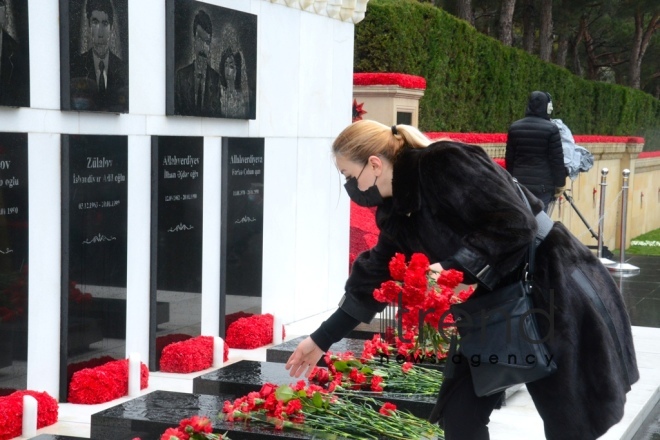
pixel 641 294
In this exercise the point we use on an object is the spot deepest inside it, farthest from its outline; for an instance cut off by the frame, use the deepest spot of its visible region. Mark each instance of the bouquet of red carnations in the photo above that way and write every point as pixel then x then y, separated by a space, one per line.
pixel 314 409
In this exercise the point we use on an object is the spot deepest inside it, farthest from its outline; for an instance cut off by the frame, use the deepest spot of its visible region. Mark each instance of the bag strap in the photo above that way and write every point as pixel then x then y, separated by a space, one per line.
pixel 532 247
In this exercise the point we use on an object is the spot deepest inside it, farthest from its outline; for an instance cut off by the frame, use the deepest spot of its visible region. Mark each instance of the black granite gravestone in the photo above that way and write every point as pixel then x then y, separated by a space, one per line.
pixel 242 219
pixel 281 353
pixel 177 201
pixel 211 61
pixel 244 376
pixel 14 222
pixel 94 216
pixel 14 54
pixel 148 416
pixel 176 235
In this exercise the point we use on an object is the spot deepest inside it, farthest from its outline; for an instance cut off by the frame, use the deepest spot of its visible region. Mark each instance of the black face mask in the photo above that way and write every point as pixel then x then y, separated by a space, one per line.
pixel 370 197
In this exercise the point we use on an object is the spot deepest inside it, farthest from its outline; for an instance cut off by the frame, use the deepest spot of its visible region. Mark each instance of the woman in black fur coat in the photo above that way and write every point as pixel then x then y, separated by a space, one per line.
pixel 453 203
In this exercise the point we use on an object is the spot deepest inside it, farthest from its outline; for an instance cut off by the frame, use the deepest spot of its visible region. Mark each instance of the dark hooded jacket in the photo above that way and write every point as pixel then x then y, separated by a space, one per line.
pixel 534 153
pixel 453 203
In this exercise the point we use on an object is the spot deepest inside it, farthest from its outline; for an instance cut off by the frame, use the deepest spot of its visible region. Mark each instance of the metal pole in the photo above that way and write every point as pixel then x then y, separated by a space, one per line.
pixel 624 269
pixel 601 217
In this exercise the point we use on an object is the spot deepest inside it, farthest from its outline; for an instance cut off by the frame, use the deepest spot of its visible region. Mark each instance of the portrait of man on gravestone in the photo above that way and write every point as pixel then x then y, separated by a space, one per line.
pixel 211 55
pixel 14 54
pixel 196 91
pixel 98 73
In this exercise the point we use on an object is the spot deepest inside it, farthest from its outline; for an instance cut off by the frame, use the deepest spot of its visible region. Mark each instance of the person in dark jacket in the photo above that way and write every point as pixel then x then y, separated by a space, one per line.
pixel 534 154
pixel 453 203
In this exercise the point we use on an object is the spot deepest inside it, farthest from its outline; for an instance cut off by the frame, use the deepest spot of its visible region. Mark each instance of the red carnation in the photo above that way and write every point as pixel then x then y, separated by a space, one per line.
pixel 387 409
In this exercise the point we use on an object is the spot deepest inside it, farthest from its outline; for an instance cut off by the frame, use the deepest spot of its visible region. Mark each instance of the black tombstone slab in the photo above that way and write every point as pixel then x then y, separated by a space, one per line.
pixel 176 244
pixel 13 256
pixel 15 56
pixel 218 45
pixel 91 32
pixel 281 353
pixel 242 219
pixel 245 376
pixel 148 416
pixel 94 216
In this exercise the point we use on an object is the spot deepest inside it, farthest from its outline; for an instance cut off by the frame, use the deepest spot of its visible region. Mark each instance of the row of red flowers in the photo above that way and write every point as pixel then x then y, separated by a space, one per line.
pixel 251 332
pixel 11 412
pixel 500 138
pixel 389 79
pixel 190 355
pixel 103 383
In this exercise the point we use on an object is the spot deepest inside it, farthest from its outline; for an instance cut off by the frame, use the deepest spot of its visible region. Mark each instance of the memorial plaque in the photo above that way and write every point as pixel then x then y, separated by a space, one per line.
pixel 242 219
pixel 148 416
pixel 245 376
pixel 177 212
pixel 13 259
pixel 94 216
pixel 14 54
pixel 94 55
pixel 211 61
pixel 176 254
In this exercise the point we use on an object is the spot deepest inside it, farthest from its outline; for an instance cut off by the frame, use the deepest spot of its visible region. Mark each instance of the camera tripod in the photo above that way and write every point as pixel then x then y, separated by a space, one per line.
pixel 606 252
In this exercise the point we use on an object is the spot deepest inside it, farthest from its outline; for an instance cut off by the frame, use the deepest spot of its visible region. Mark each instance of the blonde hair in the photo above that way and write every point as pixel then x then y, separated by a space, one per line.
pixel 367 138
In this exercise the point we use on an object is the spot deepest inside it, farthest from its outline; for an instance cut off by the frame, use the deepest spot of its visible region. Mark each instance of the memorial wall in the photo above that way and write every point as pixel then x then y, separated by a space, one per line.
pixel 164 164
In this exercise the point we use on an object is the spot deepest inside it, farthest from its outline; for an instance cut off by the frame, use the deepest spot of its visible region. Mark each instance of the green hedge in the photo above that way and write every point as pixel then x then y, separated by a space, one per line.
pixel 475 84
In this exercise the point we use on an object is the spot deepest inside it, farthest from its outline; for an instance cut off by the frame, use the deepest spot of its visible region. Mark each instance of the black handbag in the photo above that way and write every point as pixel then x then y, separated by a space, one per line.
pixel 499 335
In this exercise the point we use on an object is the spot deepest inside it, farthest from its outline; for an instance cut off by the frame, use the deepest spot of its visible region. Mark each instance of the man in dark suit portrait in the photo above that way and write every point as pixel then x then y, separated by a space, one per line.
pixel 196 86
pixel 99 78
pixel 14 66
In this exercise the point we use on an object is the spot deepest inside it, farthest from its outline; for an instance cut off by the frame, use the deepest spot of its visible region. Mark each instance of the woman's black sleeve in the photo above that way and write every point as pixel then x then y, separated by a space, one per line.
pixel 334 329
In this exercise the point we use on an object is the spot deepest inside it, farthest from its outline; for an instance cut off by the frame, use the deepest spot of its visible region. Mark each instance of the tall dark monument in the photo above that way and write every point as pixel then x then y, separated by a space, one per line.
pixel 94 246
pixel 176 237
pixel 242 219
pixel 13 257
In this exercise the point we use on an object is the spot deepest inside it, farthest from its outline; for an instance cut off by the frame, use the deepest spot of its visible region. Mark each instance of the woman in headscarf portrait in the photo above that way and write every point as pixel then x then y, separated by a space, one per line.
pixel 234 94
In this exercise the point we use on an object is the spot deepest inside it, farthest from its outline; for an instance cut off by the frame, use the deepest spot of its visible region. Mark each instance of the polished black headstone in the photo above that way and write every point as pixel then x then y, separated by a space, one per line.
pixel 95 190
pixel 94 244
pixel 148 416
pixel 242 219
pixel 15 54
pixel 211 61
pixel 94 55
pixel 281 353
pixel 245 376
pixel 14 222
pixel 177 200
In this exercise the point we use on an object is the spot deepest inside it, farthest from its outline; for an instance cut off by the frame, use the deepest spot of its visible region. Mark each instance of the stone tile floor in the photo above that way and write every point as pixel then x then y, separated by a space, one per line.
pixel 517 420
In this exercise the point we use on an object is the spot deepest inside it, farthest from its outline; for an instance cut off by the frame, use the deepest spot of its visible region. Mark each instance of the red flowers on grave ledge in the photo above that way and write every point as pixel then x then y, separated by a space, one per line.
pixel 194 354
pixel 103 383
pixel 389 79
pixel 251 332
pixel 11 412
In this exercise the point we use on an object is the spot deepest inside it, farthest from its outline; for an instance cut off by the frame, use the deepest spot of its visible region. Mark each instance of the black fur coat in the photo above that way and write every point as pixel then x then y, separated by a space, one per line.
pixel 452 202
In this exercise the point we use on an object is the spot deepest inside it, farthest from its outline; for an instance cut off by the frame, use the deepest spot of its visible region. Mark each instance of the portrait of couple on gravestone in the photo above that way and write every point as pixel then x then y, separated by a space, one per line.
pixel 211 61
pixel 96 75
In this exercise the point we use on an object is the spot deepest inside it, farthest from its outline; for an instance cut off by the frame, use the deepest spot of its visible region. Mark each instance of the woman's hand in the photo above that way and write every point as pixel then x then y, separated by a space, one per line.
pixel 305 357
